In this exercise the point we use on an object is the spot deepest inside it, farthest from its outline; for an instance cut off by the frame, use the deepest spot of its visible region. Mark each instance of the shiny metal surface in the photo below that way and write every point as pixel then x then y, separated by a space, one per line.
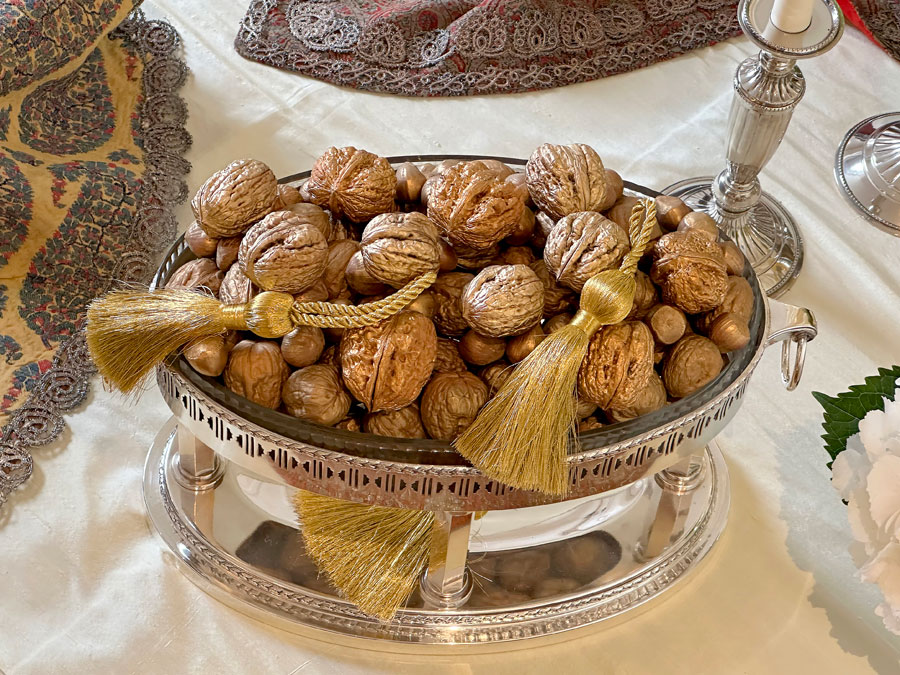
pixel 867 169
pixel 447 583
pixel 825 28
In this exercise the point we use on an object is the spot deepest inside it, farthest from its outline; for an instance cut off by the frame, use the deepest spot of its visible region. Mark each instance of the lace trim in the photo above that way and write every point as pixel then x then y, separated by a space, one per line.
pixel 164 140
pixel 453 47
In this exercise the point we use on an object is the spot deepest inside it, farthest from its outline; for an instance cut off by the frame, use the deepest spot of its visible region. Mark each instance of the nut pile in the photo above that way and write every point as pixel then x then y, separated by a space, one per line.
pixel 513 251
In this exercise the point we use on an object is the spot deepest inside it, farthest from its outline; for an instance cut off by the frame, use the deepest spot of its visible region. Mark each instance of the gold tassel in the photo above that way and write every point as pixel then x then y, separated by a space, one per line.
pixel 521 436
pixel 373 554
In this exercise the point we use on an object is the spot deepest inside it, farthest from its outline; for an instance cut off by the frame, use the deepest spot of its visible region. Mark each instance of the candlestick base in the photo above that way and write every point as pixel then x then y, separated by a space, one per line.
pixel 867 169
pixel 767 234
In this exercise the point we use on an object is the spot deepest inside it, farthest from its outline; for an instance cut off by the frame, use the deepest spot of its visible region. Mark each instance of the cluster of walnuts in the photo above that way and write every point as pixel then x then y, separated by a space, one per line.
pixel 513 251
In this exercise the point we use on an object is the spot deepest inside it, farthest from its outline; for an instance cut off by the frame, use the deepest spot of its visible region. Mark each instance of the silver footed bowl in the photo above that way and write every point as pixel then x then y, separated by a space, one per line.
pixel 430 474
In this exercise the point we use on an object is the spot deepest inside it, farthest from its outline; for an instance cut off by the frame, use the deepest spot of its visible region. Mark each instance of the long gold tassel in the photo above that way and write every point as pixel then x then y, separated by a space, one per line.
pixel 373 554
pixel 521 436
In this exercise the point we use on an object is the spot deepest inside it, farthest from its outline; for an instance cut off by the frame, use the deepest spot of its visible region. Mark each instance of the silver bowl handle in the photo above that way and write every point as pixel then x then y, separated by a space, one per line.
pixel 791 325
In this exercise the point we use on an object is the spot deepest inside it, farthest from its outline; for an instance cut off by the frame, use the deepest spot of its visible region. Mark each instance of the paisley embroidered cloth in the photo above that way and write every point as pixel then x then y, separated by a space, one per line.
pixel 461 47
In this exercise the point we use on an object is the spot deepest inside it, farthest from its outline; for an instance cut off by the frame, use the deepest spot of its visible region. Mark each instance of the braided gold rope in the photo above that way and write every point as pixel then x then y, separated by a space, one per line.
pixel 641 226
pixel 328 315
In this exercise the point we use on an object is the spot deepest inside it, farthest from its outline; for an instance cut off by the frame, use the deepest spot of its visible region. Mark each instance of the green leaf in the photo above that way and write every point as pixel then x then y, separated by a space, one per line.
pixel 844 411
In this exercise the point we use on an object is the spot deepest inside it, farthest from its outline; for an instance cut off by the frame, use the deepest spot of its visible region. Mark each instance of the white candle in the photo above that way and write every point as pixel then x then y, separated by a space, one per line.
pixel 792 16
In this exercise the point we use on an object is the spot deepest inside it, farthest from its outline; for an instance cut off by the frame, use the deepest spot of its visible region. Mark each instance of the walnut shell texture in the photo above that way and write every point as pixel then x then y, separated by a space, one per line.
pixel 398 247
pixel 645 296
pixel 352 183
pixel 315 394
pixel 447 291
pixel 448 359
pixel 315 216
pixel 473 206
pixel 582 245
pixel 495 375
pixel 236 288
pixel 503 300
pixel 202 272
pixel 386 365
pixel 564 179
pixel 232 199
pixel 256 371
pixel 227 252
pixel 692 363
pixel 283 253
pixel 691 271
pixel 557 298
pixel 335 274
pixel 403 423
pixel 651 397
pixel 617 366
pixel 200 243
pixel 450 403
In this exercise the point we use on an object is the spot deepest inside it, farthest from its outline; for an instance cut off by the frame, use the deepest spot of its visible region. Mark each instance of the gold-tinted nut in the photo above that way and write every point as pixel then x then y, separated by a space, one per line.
pixel 524 228
pixel 582 245
pixel 691 364
pixel 314 216
pixel 256 371
pixel 645 296
pixel 302 346
pixel 670 211
pixel 399 247
pixel 315 293
pixel 495 375
pixel 403 423
pixel 615 189
pixel 651 397
pixel 450 403
pixel 734 258
pixel 620 213
pixel 520 346
pixel 447 291
pixel 227 252
pixel 565 179
pixel 557 298
pixel 730 332
pixel 589 424
pixel 520 181
pixel 700 222
pixel 618 364
pixel 409 182
pixel 424 305
pixel 447 262
pixel 691 271
pixel 585 409
pixel 335 275
pixel 315 394
pixel 501 170
pixel 480 350
pixel 476 259
pixel 359 278
pixel 517 255
pixel 554 323
pixel 349 424
pixel 234 198
pixel 447 359
pixel 236 288
pixel 503 300
pixel 199 273
pixel 287 195
pixel 200 243
pixel 738 301
pixel 668 324
pixel 352 183
pixel 208 356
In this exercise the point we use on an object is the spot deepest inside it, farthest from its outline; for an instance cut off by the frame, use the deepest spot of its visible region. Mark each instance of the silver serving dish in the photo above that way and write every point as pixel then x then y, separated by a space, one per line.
pixel 649 489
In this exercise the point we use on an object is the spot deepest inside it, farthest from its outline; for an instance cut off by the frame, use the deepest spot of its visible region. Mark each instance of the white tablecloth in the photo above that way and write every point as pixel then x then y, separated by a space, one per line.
pixel 87 589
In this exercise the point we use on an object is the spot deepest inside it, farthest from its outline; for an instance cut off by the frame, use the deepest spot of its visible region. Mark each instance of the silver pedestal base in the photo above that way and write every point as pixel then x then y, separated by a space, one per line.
pixel 237 541
pixel 867 169
pixel 767 234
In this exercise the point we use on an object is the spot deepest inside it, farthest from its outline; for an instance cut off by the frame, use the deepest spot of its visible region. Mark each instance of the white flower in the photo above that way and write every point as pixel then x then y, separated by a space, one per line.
pixel 867 475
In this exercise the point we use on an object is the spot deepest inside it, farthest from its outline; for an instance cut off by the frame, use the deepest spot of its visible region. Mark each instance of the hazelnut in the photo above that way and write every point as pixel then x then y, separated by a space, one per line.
pixel 227 252
pixel 302 346
pixel 314 216
pixel 651 397
pixel 480 350
pixel 202 272
pixel 428 188
pixel 697 221
pixel 524 228
pixel 287 195
pixel 402 423
pixel 386 365
pixel 617 365
pixel 447 291
pixel 282 253
pixel 667 323
pixel 349 424
pixel 447 262
pixel 232 199
pixel 738 301
pixel 503 300
pixel 734 258
pixel 620 213
pixel 517 255
pixel 476 259
pixel 359 279
pixel 495 375
pixel 447 358
pixel 522 345
pixel 236 288
pixel 616 189
pixel 398 247
pixel 557 298
pixel 450 403
pixel 585 409
pixel 670 211
pixel 564 179
pixel 589 424
pixel 473 207
pixel 554 323
pixel 256 371
pixel 424 305
pixel 730 332
pixel 315 293
pixel 200 243
pixel 583 244
pixel 315 394
pixel 208 356
pixel 409 182
pixel 692 363
pixel 645 296
pixel 335 275
pixel 690 269
pixel 352 183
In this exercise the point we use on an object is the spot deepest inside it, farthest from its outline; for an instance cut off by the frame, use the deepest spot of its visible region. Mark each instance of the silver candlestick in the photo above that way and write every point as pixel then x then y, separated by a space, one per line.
pixel 767 88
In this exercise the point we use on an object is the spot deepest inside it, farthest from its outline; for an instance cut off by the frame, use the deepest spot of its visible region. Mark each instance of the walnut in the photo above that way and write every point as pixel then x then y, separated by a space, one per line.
pixel 283 253
pixel 734 258
pixel 447 291
pixel 315 394
pixel 496 375
pixel 474 207
pixel 645 296
pixel 202 272
pixel 450 403
pixel 670 211
pixel 524 228
pixel 233 198
pixel 691 271
pixel 286 196
pixel 208 356
pixel 352 183
pixel 447 359
pixel 620 213
pixel 554 323
pixel 585 409
pixel 476 259
pixel 349 424
pixel 315 216
pixel 503 300
pixel 409 182
pixel 402 423
pixel 386 365
pixel 335 275
pixel 651 397
pixel 667 324
pixel 738 299
pixel 517 255
pixel 236 288
pixel 318 292
pixel 730 332
pixel 447 261
pixel 564 179
pixel 520 181
pixel 200 243
pixel 583 244
pixel 302 346
pixel 359 279
pixel 702 223
pixel 480 350
pixel 227 252
pixel 332 357
pixel 617 365
pixel 398 247
pixel 691 364
pixel 501 170
pixel 522 345
pixel 557 298
pixel 256 371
